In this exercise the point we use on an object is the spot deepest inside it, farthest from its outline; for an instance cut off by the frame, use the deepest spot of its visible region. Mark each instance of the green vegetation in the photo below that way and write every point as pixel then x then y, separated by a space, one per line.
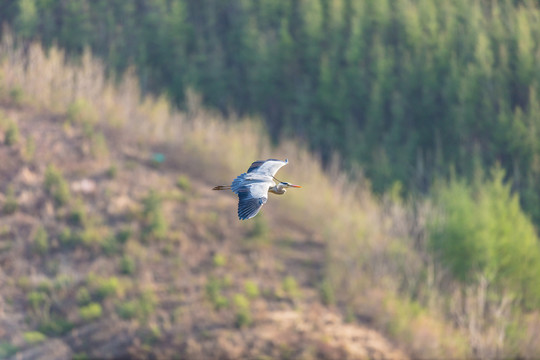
pixel 10 204
pixel 242 310
pixel 397 89
pixel 213 288
pixel 290 286
pixel 104 287
pixel 127 265
pixel 183 183
pixel 33 337
pixel 90 312
pixel 12 134
pixel 482 232
pixel 219 260
pixel 140 308
pixel 327 293
pixel 251 289
pixel 57 186
pixel 41 241
pixel 7 350
pixel 55 326
pixel 154 224
pixel 424 98
pixel 81 112
pixel 83 296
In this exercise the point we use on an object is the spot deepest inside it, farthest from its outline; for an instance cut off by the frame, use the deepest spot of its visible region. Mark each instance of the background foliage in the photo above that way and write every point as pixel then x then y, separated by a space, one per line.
pixel 423 95
pixel 404 88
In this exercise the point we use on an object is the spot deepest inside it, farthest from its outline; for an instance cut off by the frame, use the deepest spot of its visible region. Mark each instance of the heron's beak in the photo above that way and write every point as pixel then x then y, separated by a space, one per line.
pixel 296 186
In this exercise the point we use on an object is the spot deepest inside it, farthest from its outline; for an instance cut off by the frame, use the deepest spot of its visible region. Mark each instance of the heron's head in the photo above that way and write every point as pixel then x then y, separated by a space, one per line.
pixel 288 185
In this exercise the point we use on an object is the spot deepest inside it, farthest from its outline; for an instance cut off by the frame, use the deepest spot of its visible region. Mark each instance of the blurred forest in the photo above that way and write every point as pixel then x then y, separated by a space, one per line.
pixel 407 89
pixel 432 106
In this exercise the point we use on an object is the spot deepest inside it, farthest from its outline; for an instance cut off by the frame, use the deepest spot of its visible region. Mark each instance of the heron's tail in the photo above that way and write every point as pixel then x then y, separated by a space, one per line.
pixel 222 187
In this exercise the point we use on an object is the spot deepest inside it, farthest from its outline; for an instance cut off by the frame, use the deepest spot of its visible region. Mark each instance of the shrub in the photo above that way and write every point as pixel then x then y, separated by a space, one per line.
pixel 154 224
pixel 36 299
pixel 83 296
pixel 213 293
pixel 183 183
pixel 251 289
pixel 29 149
pixel 11 205
pixel 127 265
pixel 55 326
pixel 7 350
pixel 41 241
pixel 243 313
pixel 219 260
pixel 33 337
pixel 82 112
pixel 112 172
pixel 69 238
pixel 99 146
pixel 327 293
pixel 17 95
pixel 122 236
pixel 78 215
pixel 140 308
pixel 104 287
pixel 90 312
pixel 56 185
pixel 127 310
pixel 484 233
pixel 290 286
pixel 12 134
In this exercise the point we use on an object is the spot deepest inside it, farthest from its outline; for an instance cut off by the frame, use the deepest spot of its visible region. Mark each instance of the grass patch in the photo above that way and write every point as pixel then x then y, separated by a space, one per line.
pixel 10 205
pixel 16 94
pixel 56 186
pixel 34 337
pixel 183 183
pixel 140 308
pixel 11 136
pixel 127 265
pixel 41 241
pixel 242 311
pixel 81 112
pixel 327 293
pixel 105 287
pixel 290 287
pixel 251 289
pixel 154 224
pixel 213 293
pixel 83 296
pixel 219 260
pixel 55 326
pixel 90 312
pixel 7 349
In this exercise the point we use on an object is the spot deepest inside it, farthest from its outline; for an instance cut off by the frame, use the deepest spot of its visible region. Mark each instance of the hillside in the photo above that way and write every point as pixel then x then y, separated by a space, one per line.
pixel 113 243
pixel 107 253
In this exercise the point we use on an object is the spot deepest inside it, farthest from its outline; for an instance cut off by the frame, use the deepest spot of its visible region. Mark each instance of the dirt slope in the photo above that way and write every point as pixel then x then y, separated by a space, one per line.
pixel 108 252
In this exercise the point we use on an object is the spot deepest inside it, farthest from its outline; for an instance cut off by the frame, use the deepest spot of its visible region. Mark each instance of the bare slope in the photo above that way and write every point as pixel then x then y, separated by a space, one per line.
pixel 107 252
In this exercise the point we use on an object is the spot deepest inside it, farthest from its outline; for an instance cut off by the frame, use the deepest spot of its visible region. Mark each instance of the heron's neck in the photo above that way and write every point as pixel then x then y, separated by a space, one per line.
pixel 277 189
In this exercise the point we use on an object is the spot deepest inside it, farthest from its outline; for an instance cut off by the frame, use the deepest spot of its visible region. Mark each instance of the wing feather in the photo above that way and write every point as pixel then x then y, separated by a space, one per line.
pixel 267 167
pixel 248 206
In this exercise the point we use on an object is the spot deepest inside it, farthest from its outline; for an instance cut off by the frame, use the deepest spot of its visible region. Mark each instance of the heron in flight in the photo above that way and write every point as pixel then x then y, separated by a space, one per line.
pixel 253 187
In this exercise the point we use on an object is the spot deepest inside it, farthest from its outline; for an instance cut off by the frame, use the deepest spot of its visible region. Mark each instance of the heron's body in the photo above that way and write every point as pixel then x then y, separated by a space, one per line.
pixel 253 186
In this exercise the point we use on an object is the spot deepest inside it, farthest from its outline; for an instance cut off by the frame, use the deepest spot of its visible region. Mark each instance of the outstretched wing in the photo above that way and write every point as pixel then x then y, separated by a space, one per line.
pixel 251 198
pixel 267 167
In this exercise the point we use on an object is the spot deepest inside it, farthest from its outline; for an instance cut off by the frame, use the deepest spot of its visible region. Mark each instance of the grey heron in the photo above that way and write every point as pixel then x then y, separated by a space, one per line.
pixel 253 186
